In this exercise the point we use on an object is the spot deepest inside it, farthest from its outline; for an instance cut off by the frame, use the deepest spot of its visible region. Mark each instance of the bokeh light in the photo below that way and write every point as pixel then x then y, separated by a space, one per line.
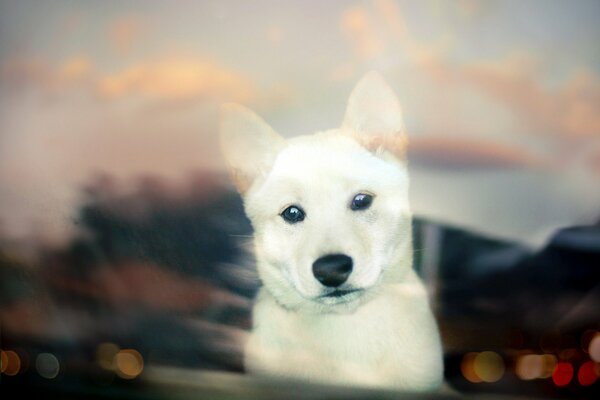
pixel 587 374
pixel 594 348
pixel 47 365
pixel 535 366
pixel 563 374
pixel 105 355
pixel 529 366
pixel 549 362
pixel 466 367
pixel 129 363
pixel 11 363
pixel 489 366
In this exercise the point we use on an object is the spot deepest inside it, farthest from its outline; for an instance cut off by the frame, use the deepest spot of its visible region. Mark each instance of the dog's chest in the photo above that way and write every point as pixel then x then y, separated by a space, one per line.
pixel 383 328
pixel 342 337
pixel 390 340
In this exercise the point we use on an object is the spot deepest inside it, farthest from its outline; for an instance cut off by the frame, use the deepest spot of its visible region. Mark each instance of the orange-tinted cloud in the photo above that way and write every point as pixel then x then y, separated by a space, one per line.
pixel 168 79
pixel 40 74
pixel 391 19
pixel 594 163
pixel 358 26
pixel 570 109
pixel 75 68
pixel 511 82
pixel 454 153
pixel 177 79
pixel 17 72
pixel 124 32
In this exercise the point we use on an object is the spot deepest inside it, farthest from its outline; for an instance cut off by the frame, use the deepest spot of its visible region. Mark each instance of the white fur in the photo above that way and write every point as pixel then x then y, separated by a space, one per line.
pixel 383 335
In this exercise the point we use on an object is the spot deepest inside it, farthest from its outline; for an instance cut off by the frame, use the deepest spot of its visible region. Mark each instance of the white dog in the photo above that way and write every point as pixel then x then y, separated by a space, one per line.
pixel 340 301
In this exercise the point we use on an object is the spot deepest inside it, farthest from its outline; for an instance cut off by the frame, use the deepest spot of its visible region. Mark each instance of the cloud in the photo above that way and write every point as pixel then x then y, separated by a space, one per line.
pixel 39 74
pixel 380 35
pixel 358 26
pixel 170 79
pixel 75 69
pixel 511 83
pixel 582 97
pixel 124 32
pixel 48 150
pixel 19 73
pixel 461 153
pixel 174 79
pixel 44 159
pixel 571 109
pixel 594 164
pixel 402 40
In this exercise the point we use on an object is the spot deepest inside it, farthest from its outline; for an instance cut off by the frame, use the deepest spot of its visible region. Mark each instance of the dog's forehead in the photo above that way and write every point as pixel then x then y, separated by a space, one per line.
pixel 329 155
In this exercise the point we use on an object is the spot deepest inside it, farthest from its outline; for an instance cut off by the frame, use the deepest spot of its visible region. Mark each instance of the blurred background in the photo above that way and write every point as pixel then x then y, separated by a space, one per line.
pixel 124 257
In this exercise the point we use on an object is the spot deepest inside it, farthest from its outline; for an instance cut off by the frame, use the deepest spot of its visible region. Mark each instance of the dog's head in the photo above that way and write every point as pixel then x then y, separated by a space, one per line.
pixel 330 211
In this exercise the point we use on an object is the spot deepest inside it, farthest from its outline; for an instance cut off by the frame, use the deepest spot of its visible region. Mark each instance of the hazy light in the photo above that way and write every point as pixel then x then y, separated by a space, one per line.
pixel 466 367
pixel 529 367
pixel 129 363
pixel 47 365
pixel 563 374
pixel 549 363
pixel 11 363
pixel 535 366
pixel 594 348
pixel 587 374
pixel 105 355
pixel 489 366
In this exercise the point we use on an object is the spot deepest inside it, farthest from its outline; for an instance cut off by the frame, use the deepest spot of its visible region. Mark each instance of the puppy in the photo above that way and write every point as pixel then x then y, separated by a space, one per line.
pixel 340 301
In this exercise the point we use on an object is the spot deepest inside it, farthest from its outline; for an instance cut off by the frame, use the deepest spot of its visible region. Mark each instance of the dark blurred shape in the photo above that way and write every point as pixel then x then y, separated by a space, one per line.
pixel 553 289
pixel 492 291
pixel 15 282
pixel 161 270
pixel 190 232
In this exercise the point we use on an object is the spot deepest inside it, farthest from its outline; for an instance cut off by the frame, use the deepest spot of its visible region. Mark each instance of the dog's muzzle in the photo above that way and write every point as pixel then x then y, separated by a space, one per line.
pixel 332 270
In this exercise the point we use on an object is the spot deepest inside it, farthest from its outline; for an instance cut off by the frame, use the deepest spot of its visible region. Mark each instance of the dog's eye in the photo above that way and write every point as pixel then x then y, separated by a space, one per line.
pixel 361 201
pixel 293 214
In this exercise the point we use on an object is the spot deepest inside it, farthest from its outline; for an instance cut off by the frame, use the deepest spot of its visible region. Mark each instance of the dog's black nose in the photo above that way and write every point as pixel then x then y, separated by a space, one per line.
pixel 332 270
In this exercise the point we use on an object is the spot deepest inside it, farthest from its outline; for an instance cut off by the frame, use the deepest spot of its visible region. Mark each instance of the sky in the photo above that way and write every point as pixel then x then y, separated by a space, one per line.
pixel 501 99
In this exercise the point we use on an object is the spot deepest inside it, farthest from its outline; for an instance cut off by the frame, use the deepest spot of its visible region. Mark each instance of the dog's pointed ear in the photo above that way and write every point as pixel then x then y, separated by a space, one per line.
pixel 249 144
pixel 374 117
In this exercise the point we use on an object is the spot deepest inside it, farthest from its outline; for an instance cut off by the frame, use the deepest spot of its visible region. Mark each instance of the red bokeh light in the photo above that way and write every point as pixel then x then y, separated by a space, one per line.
pixel 587 373
pixel 563 374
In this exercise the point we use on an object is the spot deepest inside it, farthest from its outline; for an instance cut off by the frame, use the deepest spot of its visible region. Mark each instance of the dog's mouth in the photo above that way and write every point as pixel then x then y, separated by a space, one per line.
pixel 339 293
